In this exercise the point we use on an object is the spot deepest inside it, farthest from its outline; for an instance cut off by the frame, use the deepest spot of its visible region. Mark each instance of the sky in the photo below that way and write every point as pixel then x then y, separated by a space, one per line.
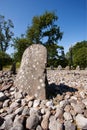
pixel 72 17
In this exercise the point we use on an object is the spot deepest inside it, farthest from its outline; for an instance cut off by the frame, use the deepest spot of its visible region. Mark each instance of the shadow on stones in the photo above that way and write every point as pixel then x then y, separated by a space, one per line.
pixel 53 90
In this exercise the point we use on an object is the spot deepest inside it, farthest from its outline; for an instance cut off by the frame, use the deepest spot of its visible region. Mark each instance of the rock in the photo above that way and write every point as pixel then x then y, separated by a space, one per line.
pixel 85 102
pixel 38 127
pixel 13 68
pixel 81 121
pixel 19 119
pixel 55 124
pixel 14 105
pixel 85 113
pixel 2 96
pixel 36 103
pixel 30 104
pixel 43 111
pixel 69 126
pixel 32 122
pixel 78 67
pixel 78 108
pixel 44 124
pixel 18 123
pixel 63 103
pixel 6 103
pixel 63 112
pixel 23 102
pixel 31 77
pixel 8 123
pixel 9 116
pixel 82 94
pixel 67 68
pixel 29 98
pixel 59 67
pixel 67 116
pixel 6 87
pixel 17 127
pixel 18 111
pixel 49 104
pixel 45 121
pixel 85 87
pixel 18 95
pixel 25 111
pixel 67 108
pixel 59 112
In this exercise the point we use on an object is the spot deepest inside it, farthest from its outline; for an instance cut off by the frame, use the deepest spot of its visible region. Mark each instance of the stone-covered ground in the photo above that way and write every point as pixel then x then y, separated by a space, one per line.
pixel 66 108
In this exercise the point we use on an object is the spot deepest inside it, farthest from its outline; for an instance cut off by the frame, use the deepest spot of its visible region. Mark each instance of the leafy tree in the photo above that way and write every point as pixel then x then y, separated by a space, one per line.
pixel 80 57
pixel 79 54
pixel 5 59
pixel 45 31
pixel 62 60
pixel 42 31
pixel 20 44
pixel 5 38
pixel 5 33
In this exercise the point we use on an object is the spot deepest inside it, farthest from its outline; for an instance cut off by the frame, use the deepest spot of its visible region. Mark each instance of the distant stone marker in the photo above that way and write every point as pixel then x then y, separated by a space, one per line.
pixel 78 67
pixel 67 68
pixel 32 77
pixel 59 67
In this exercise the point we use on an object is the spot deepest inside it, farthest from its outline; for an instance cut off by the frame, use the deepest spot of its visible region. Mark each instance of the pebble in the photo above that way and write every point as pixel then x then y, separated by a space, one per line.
pixel 32 122
pixel 67 116
pixel 81 121
pixel 66 110
pixel 2 96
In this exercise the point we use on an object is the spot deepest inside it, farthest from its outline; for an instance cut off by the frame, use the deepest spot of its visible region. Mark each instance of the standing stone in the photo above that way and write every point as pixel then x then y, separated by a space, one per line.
pixel 78 67
pixel 59 67
pixel 13 68
pixel 32 77
pixel 67 68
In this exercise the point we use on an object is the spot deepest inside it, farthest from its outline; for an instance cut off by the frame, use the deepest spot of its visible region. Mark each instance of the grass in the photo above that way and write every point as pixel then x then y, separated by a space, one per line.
pixel 8 67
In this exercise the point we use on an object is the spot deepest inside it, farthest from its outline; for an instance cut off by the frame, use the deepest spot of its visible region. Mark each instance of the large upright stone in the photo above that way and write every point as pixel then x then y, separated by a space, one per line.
pixel 32 77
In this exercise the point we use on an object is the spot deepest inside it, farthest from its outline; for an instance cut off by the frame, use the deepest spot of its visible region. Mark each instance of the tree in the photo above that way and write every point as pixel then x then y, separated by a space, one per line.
pixel 62 60
pixel 5 59
pixel 79 54
pixel 20 44
pixel 80 57
pixel 5 33
pixel 44 30
pixel 52 54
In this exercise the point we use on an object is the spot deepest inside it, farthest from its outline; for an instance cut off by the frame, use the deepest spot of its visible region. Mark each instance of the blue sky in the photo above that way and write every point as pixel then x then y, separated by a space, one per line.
pixel 72 17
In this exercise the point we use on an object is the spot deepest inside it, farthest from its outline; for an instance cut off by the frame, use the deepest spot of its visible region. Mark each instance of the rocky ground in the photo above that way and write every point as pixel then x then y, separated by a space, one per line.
pixel 66 108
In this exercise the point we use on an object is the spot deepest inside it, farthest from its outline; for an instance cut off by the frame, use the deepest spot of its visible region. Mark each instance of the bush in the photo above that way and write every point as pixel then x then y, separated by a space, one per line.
pixel 5 59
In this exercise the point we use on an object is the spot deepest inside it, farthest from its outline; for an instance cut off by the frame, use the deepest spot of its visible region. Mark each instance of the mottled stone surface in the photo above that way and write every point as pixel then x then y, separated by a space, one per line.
pixel 31 77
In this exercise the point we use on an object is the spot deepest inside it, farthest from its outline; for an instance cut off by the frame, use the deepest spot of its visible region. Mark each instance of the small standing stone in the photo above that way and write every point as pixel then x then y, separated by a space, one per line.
pixel 78 67
pixel 59 67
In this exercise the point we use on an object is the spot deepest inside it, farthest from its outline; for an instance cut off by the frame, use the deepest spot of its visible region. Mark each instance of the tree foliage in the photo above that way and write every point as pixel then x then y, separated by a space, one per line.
pixel 45 31
pixel 20 44
pixel 44 27
pixel 79 54
pixel 5 33
pixel 5 59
